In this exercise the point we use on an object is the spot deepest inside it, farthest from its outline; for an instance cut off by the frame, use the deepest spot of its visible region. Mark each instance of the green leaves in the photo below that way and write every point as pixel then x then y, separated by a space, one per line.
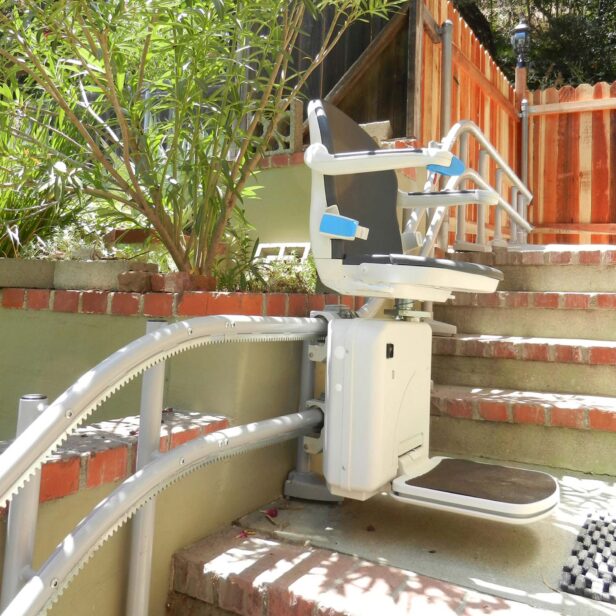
pixel 161 108
pixel 572 40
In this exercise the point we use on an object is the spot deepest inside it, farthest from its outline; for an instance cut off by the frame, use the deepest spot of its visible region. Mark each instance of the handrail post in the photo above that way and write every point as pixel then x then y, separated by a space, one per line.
pixel 23 513
pixel 148 445
pixel 443 234
pixel 523 212
pixel 481 208
pixel 512 224
pixel 461 210
pixel 498 240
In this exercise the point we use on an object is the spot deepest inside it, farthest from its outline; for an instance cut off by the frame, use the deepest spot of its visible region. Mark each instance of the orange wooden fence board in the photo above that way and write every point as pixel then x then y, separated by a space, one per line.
pixel 572 155
pixel 572 161
pixel 480 92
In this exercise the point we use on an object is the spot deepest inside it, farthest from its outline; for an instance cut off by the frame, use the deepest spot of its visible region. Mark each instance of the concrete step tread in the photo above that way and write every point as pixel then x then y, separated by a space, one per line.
pixel 550 409
pixel 562 300
pixel 558 350
pixel 249 573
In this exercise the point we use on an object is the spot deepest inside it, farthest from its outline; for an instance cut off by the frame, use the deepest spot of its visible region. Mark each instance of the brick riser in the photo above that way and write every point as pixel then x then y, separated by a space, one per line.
pixel 535 364
pixel 584 270
pixel 234 572
pixel 519 313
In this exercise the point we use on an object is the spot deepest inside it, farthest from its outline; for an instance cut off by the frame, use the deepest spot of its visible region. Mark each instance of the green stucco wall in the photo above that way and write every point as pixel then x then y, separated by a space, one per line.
pixel 280 211
pixel 45 352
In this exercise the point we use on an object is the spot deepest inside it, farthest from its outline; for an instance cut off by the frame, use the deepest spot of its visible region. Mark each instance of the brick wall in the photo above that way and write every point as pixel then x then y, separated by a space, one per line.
pixel 105 452
pixel 172 305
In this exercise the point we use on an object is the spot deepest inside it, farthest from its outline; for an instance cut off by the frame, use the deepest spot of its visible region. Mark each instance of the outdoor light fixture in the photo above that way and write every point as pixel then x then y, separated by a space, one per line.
pixel 520 41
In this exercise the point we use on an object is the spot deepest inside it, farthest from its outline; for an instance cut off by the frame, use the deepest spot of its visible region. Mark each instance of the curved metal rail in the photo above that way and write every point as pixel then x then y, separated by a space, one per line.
pixel 42 590
pixel 27 453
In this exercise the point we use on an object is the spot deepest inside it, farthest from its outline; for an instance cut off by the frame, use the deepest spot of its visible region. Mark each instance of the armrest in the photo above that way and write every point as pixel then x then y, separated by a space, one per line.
pixel 319 159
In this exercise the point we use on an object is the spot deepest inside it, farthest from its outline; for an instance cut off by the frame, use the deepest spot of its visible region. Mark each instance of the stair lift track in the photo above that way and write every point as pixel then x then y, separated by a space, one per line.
pixel 28 452
pixel 43 589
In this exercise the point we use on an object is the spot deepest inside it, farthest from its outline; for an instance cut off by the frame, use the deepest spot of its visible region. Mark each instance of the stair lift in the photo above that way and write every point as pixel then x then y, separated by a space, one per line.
pixel 377 402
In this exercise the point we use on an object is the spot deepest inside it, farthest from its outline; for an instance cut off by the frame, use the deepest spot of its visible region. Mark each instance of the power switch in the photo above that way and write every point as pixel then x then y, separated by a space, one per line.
pixel 389 350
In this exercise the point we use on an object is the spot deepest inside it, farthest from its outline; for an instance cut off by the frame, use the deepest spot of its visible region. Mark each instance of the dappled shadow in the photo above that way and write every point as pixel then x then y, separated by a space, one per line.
pixel 294 579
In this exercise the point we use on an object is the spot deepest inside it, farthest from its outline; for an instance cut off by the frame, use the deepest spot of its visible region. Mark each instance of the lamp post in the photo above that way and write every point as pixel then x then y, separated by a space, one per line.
pixel 520 42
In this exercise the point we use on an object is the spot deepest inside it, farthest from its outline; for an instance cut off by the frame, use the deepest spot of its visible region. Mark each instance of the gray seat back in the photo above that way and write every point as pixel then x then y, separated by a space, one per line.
pixel 369 198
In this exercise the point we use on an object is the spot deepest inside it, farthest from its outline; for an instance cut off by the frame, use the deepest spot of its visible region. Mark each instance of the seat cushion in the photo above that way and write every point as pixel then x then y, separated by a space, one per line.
pixel 415 261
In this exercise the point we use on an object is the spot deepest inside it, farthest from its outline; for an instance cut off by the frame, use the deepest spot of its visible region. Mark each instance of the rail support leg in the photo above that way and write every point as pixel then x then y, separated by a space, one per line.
pixel 302 482
pixel 23 514
pixel 142 531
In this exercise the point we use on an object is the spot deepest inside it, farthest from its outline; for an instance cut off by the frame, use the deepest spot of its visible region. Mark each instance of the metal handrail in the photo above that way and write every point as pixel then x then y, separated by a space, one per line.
pixel 468 126
pixel 440 213
pixel 20 463
pixel 439 216
pixel 28 451
pixel 42 589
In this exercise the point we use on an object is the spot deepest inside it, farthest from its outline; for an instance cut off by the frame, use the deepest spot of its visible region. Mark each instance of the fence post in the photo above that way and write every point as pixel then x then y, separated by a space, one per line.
pixel 23 513
pixel 148 445
pixel 446 75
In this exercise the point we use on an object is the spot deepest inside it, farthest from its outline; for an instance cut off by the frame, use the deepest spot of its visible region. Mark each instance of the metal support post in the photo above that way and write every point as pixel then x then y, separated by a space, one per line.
pixel 481 207
pixel 498 213
pixel 23 514
pixel 524 144
pixel 306 392
pixel 302 482
pixel 446 75
pixel 461 209
pixel 523 211
pixel 148 445
pixel 513 225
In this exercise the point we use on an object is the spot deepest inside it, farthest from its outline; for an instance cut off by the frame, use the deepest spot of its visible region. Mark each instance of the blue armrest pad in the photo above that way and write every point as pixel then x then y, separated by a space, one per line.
pixel 455 168
pixel 338 226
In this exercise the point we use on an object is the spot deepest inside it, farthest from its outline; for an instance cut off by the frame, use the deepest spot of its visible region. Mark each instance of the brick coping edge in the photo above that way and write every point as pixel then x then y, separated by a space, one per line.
pixel 172 305
pixel 106 452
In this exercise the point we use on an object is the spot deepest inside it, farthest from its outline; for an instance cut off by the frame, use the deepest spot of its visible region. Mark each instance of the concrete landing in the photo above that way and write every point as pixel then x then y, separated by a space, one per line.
pixel 519 563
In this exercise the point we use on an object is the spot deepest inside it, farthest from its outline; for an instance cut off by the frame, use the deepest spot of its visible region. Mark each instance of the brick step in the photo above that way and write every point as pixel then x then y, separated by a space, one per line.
pixel 244 573
pixel 524 426
pixel 521 313
pixel 552 268
pixel 537 364
pixel 591 413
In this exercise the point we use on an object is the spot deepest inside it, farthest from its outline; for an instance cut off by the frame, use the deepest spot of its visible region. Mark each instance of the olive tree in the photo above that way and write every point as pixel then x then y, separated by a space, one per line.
pixel 163 108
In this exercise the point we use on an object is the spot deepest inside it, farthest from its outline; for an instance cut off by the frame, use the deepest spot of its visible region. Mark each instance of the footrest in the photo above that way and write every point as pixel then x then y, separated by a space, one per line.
pixel 447 198
pixel 490 491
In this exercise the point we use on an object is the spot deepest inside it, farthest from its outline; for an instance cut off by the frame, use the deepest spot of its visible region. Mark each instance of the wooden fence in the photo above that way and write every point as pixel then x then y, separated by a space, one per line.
pixel 480 92
pixel 572 164
pixel 572 137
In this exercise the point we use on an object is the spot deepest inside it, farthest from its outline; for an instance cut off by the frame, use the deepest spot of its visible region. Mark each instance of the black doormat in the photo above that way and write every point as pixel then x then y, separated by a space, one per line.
pixel 590 570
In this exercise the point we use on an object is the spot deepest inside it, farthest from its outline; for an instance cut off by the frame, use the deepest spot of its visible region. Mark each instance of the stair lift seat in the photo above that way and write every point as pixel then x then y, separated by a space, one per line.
pixel 377 402
pixel 354 226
